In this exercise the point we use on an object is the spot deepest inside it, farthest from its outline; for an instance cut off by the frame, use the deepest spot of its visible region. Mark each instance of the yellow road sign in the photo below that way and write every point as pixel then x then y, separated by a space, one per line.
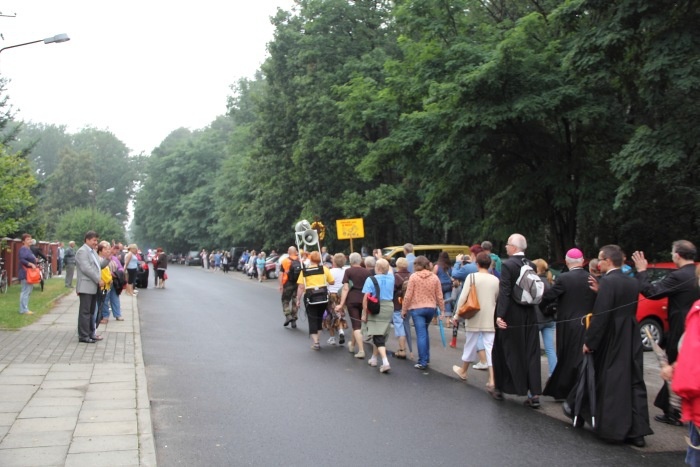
pixel 350 228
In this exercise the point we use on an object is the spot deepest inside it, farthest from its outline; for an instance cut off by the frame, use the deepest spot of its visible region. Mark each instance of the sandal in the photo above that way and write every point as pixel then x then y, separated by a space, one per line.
pixel 401 353
pixel 316 346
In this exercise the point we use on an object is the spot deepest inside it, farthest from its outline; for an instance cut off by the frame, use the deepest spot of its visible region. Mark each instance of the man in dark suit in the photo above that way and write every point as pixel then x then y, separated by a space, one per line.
pixel 681 288
pixel 516 349
pixel 89 266
pixel 621 412
pixel 574 300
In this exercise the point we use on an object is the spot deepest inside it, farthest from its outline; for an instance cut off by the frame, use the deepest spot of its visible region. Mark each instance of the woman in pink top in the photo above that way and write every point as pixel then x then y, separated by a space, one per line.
pixel 423 296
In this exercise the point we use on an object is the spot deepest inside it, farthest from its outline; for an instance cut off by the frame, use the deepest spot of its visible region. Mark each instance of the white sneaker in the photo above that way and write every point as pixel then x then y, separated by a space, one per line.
pixel 480 366
pixel 331 341
pixel 372 361
pixel 385 368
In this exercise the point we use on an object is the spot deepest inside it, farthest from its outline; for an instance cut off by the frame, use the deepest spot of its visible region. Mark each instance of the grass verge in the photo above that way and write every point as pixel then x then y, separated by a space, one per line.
pixel 39 302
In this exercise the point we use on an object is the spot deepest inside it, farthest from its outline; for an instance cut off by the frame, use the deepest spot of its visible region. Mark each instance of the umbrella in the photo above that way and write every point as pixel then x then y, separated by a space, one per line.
pixel 673 399
pixel 407 328
pixel 442 332
pixel 586 383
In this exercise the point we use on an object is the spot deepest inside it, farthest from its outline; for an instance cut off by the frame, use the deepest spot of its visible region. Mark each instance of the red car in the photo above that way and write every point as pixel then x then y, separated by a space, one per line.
pixel 653 314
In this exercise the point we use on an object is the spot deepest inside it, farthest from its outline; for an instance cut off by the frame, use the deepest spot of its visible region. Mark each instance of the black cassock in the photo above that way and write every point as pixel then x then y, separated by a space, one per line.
pixel 575 300
pixel 516 350
pixel 681 288
pixel 614 338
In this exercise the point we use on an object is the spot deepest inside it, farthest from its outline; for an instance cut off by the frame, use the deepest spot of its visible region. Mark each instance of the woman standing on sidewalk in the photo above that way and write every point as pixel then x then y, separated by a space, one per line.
pixel 423 296
pixel 131 262
pixel 26 260
pixel 162 267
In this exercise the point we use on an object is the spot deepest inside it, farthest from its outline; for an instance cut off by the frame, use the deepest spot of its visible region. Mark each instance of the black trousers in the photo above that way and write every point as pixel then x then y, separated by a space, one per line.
pixel 315 315
pixel 88 302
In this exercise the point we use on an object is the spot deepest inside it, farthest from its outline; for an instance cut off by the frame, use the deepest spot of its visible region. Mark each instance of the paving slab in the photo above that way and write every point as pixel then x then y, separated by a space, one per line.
pixel 82 444
pixel 106 428
pixel 50 411
pixel 37 439
pixel 106 459
pixel 107 415
pixel 34 456
pixel 35 425
pixel 63 402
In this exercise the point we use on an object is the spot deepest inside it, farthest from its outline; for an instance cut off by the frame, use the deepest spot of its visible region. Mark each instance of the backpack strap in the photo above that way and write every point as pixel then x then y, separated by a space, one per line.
pixel 305 272
pixel 376 286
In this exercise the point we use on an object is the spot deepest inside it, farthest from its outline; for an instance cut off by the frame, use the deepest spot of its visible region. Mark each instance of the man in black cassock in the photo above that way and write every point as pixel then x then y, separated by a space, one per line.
pixel 516 349
pixel 613 338
pixel 681 288
pixel 574 299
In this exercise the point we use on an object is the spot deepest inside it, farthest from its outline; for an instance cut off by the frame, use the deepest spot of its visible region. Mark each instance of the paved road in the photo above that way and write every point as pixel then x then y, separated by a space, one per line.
pixel 230 386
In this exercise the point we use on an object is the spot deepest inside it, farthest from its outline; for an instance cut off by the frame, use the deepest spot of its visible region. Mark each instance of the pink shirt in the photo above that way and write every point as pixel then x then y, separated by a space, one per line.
pixel 423 291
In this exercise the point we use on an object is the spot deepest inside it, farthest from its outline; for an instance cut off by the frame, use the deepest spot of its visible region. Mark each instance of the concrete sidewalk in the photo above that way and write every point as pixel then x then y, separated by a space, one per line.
pixel 63 402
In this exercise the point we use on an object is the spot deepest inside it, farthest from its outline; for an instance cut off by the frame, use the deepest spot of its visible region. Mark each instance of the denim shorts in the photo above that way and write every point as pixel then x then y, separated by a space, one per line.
pixel 399 331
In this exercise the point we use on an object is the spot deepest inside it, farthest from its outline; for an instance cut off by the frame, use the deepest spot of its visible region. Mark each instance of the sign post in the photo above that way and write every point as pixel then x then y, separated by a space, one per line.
pixel 350 228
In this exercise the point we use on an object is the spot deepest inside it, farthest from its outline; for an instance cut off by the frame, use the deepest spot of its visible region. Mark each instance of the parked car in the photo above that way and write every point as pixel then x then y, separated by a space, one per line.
pixel 271 267
pixel 653 314
pixel 193 259
pixel 432 252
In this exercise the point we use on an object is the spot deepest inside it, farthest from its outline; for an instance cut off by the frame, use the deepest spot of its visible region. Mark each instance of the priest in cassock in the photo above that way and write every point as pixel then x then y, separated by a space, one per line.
pixel 681 288
pixel 516 348
pixel 574 299
pixel 621 412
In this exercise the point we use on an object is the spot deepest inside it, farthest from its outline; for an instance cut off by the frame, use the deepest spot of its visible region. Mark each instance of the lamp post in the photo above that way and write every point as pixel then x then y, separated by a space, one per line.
pixel 58 38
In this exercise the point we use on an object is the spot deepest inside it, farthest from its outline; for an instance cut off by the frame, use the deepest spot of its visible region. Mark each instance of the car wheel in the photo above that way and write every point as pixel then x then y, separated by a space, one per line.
pixel 655 330
pixel 271 274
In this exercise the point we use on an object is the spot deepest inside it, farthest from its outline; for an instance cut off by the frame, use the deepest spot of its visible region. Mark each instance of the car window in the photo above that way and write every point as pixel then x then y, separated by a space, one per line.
pixel 388 251
pixel 657 274
pixel 432 255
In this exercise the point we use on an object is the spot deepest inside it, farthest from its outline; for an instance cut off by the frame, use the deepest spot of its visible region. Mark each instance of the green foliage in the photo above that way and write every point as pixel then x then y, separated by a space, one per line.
pixel 572 122
pixel 16 200
pixel 74 223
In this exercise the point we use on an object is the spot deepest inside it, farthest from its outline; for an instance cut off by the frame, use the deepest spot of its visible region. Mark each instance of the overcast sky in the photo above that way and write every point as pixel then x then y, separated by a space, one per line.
pixel 139 69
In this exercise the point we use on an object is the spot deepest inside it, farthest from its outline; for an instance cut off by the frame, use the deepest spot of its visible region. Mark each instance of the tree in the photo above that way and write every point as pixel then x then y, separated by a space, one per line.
pixel 74 223
pixel 16 200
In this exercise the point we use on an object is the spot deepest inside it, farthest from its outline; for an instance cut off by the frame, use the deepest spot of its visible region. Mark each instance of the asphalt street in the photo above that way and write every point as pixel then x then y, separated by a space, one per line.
pixel 230 386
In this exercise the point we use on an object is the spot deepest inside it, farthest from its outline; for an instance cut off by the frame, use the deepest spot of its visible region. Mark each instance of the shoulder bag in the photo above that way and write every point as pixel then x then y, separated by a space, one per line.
pixel 373 301
pixel 33 275
pixel 471 307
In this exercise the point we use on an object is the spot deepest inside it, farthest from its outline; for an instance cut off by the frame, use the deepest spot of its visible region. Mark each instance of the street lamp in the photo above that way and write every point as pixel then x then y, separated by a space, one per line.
pixel 58 38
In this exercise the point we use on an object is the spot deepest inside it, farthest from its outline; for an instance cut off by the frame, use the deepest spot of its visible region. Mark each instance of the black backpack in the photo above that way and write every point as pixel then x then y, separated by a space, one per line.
pixel 373 301
pixel 294 271
pixel 316 295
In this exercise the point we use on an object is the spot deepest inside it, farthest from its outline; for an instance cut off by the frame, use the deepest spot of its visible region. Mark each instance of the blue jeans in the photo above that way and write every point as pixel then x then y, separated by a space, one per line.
pixel 692 456
pixel 421 319
pixel 112 300
pixel 24 297
pixel 547 331
pixel 448 304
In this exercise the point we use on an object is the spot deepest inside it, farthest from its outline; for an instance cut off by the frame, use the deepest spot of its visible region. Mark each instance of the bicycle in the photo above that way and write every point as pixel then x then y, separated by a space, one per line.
pixel 4 282
pixel 45 268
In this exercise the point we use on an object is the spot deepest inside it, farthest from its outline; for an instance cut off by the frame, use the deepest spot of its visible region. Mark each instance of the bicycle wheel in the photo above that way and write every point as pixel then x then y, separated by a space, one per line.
pixel 3 282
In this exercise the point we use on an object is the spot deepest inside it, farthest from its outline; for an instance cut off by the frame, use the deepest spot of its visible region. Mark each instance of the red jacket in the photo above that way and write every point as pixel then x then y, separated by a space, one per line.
pixel 686 375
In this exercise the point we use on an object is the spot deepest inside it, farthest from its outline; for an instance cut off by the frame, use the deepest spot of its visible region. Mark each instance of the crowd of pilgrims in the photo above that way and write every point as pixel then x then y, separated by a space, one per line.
pixel 504 336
